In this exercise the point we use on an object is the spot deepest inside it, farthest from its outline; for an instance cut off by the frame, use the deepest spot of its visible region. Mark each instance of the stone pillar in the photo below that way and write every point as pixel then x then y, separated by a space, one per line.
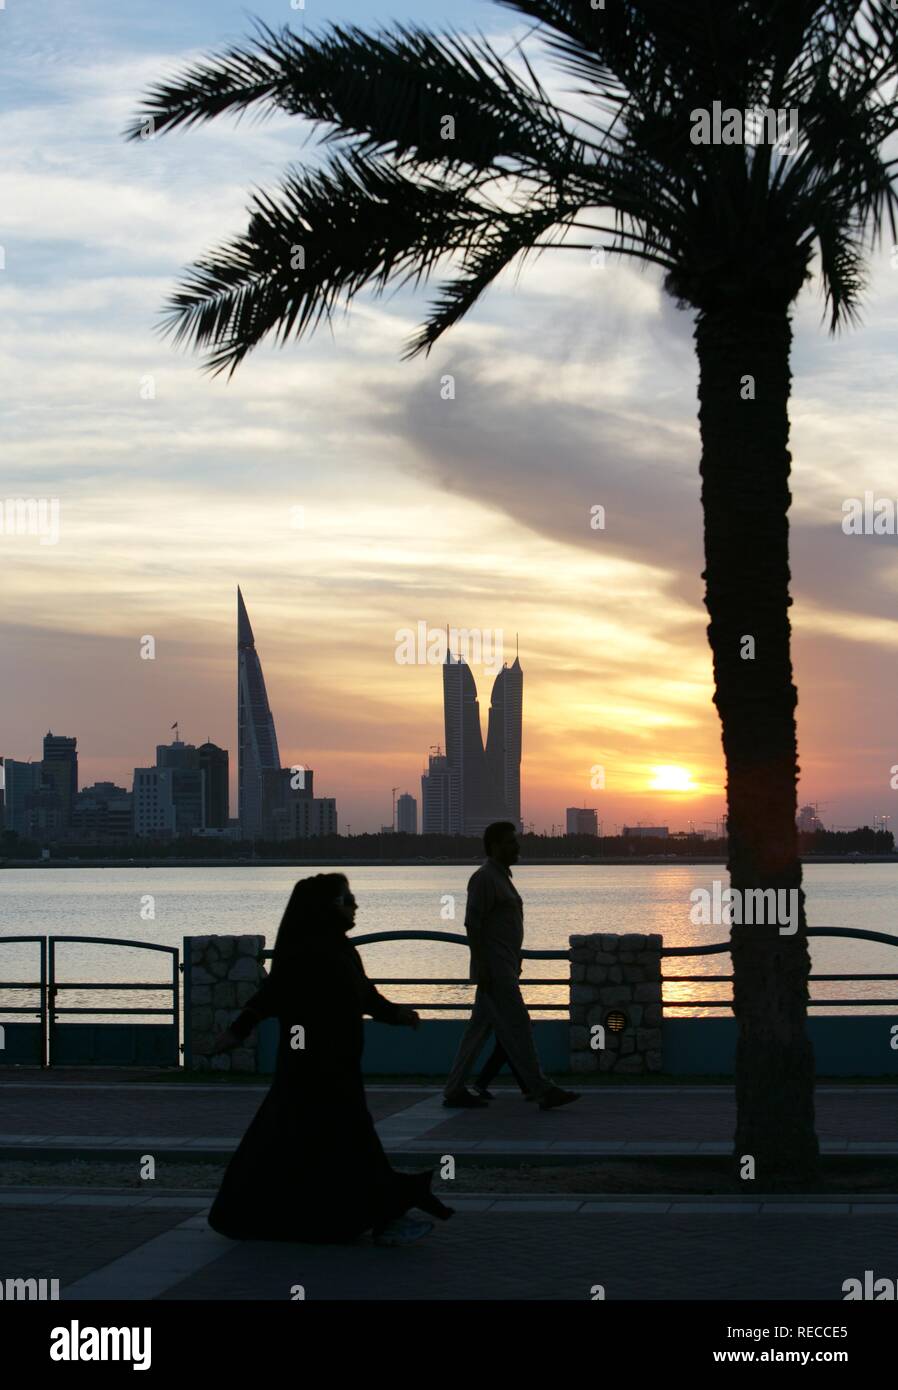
pixel 225 972
pixel 616 974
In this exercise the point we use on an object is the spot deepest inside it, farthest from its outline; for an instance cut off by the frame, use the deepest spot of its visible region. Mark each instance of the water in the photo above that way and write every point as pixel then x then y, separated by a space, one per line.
pixel 559 900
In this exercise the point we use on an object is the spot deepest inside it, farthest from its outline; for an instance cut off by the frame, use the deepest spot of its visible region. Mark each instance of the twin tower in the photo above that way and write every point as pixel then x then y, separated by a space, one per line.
pixel 469 786
pixel 463 789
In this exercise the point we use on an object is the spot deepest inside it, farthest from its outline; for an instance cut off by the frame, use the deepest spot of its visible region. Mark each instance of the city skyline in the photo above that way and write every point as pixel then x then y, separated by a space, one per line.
pixel 358 500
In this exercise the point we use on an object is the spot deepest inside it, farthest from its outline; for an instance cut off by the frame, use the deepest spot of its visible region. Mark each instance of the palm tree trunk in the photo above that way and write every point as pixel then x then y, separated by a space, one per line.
pixel 744 350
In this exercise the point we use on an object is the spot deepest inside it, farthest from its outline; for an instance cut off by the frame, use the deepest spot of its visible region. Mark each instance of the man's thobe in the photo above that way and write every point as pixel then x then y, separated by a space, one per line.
pixel 495 913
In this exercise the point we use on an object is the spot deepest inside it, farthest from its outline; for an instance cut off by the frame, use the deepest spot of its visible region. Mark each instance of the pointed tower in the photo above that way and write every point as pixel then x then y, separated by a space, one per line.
pixel 470 801
pixel 257 745
pixel 503 741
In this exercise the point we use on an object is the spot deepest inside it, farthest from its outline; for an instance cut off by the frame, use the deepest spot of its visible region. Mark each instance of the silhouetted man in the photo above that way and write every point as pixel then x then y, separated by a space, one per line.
pixel 494 922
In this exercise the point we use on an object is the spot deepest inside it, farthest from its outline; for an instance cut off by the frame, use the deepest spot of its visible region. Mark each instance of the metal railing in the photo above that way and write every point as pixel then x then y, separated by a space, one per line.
pixel 459 940
pixel 41 984
pixel 716 948
pixel 49 986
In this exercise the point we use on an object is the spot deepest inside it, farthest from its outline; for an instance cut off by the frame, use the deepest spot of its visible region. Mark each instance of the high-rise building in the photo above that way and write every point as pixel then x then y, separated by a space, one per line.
pixel 407 814
pixel 281 786
pixel 808 820
pixel 188 784
pixel 484 783
pixel 503 741
pixel 213 763
pixel 581 820
pixel 312 815
pixel 435 796
pixel 46 814
pixel 17 781
pixel 59 769
pixel 470 806
pixel 180 755
pixel 102 813
pixel 152 802
pixel 257 745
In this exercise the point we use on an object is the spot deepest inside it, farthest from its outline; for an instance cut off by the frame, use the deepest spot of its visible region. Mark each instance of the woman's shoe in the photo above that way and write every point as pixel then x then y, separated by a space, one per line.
pixel 482 1091
pixel 405 1230
pixel 428 1201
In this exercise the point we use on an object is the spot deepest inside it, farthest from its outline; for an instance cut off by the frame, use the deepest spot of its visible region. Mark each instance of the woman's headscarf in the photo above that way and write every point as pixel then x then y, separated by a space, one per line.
pixel 311 906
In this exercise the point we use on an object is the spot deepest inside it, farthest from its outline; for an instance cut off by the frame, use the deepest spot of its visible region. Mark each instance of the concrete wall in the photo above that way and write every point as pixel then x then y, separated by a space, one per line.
pixel 428 1050
pixel 221 974
pixel 615 1008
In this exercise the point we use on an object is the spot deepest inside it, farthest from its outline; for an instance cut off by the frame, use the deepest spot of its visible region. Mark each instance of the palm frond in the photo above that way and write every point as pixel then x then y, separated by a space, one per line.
pixel 323 236
pixel 401 91
pixel 441 147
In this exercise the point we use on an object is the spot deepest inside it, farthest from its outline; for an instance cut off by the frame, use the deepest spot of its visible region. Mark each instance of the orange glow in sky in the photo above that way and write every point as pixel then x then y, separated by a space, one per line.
pixel 672 779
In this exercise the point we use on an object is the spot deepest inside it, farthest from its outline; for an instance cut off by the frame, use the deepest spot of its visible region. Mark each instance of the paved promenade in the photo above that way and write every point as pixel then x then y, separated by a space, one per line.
pixel 104 1243
pixel 181 1119
pixel 130 1246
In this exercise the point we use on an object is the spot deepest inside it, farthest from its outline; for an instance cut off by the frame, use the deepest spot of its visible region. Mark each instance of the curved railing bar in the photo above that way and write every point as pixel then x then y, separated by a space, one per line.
pixel 112 941
pixel 812 931
pixel 455 937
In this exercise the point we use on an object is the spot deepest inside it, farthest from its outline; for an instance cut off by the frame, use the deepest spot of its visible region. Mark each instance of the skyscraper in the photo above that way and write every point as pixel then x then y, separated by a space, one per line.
pixel 469 801
pixel 407 814
pixel 503 741
pixel 257 745
pixel 213 763
pixel 60 770
pixel 188 784
pixel 484 783
pixel 152 803
pixel 17 780
pixel 435 795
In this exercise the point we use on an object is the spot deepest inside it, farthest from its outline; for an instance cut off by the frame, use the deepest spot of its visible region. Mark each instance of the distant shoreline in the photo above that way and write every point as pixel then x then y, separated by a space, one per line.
pixel 611 861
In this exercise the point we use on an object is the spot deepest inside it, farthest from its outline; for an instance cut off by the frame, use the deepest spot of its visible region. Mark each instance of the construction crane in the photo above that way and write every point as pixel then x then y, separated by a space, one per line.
pixel 719 826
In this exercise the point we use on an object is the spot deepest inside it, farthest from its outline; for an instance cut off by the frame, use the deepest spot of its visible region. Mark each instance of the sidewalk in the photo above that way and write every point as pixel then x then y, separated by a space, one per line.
pixel 145 1244
pixel 86 1118
pixel 131 1246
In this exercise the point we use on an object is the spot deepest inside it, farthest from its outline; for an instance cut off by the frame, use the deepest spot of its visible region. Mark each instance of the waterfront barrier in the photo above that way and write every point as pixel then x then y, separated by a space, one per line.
pixel 616 1010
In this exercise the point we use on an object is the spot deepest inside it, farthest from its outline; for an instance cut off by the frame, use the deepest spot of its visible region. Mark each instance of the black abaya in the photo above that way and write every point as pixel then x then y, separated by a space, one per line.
pixel 311 1166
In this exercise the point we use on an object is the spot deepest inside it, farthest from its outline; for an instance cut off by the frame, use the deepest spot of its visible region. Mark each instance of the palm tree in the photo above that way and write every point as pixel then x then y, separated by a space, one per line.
pixel 442 152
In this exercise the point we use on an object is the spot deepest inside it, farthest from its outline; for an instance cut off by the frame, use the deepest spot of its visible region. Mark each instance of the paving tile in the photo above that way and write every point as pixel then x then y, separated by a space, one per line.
pixel 576 1146
pixel 640 1208
pixel 534 1204
pixel 198 1203
pixel 88 1199
pixel 807 1208
pixel 703 1208
pixel 25 1198
pixel 670 1146
pixel 469 1204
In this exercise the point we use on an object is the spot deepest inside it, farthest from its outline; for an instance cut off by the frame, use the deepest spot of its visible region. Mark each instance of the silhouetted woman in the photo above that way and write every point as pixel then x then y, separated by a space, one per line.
pixel 311 1166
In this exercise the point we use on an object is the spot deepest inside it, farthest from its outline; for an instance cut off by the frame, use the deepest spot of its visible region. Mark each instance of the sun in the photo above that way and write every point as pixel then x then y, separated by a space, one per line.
pixel 672 779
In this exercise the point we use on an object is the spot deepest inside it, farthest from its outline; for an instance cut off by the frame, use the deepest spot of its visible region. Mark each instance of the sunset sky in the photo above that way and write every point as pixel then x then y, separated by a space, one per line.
pixel 575 387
